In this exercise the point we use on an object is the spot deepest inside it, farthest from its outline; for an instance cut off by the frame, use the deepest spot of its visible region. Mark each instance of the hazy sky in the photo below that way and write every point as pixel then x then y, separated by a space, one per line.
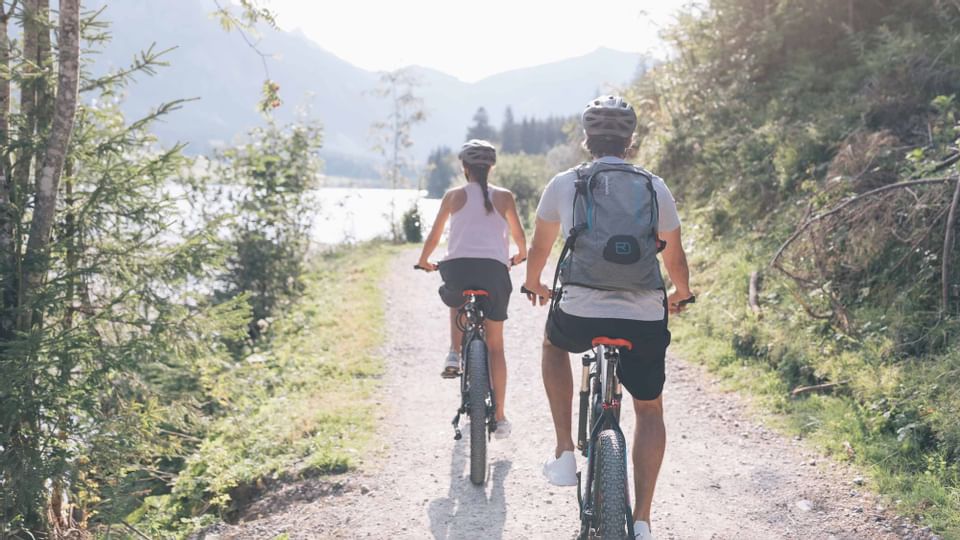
pixel 471 40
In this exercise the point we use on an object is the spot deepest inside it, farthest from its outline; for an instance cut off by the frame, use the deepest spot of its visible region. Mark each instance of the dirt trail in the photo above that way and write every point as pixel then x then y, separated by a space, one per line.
pixel 725 475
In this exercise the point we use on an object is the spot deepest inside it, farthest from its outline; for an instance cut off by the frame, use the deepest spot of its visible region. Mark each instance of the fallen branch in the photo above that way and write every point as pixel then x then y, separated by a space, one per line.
pixel 947 162
pixel 947 251
pixel 848 202
pixel 752 296
pixel 816 388
pixel 134 530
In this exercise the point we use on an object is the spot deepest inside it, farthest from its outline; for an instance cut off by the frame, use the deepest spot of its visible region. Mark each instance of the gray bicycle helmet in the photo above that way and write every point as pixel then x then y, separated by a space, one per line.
pixel 478 152
pixel 609 115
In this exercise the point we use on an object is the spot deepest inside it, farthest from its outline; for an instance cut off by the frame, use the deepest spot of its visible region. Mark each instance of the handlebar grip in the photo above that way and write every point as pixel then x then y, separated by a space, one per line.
pixel 518 262
pixel 691 300
pixel 528 292
pixel 418 267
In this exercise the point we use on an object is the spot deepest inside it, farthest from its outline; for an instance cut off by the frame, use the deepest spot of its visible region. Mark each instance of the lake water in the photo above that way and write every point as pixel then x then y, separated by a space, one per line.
pixel 358 214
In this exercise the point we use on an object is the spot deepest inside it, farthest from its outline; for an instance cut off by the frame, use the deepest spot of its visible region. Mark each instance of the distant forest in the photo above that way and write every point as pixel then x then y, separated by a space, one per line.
pixel 529 136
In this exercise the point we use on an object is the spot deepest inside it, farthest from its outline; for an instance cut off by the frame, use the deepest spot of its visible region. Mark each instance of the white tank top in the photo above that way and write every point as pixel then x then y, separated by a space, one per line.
pixel 476 234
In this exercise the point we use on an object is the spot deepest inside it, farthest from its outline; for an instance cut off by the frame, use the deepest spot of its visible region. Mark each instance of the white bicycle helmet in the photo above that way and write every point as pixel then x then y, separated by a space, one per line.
pixel 609 115
pixel 478 152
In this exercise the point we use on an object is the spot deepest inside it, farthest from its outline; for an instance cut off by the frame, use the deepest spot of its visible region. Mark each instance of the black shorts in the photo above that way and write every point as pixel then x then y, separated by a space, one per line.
pixel 641 369
pixel 487 274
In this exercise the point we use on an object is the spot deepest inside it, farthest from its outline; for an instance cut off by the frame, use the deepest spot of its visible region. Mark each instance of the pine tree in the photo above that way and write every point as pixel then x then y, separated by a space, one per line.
pixel 442 172
pixel 481 128
pixel 103 280
pixel 510 133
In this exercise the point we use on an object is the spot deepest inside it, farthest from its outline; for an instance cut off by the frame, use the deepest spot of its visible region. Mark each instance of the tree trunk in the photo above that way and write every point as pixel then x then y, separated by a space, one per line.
pixel 44 61
pixel 55 151
pixel 27 487
pixel 28 101
pixel 8 212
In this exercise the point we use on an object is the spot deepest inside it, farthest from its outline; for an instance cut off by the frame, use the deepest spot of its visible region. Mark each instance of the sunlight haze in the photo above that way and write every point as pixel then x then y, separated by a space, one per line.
pixel 474 40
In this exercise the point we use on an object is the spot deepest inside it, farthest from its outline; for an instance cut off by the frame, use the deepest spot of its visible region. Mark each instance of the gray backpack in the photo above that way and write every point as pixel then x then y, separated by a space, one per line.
pixel 613 244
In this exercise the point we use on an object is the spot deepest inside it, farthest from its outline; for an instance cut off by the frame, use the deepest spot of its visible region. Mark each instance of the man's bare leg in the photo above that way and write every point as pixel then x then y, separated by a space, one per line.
pixel 558 382
pixel 649 443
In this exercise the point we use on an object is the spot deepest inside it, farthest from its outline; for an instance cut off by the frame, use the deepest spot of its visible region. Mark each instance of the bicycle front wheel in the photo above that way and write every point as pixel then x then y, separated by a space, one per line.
pixel 610 487
pixel 477 392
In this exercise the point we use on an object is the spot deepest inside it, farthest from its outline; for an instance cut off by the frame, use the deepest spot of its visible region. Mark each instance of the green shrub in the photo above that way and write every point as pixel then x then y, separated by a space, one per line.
pixel 412 224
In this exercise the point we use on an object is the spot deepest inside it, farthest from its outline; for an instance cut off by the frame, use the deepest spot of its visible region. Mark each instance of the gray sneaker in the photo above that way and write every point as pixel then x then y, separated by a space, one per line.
pixel 451 366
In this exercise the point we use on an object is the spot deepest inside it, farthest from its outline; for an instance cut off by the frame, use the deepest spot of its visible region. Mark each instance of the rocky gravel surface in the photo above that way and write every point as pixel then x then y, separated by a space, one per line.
pixel 725 476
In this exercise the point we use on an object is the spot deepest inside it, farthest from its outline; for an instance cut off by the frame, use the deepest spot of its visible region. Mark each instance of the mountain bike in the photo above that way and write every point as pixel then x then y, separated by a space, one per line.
pixel 604 498
pixel 476 387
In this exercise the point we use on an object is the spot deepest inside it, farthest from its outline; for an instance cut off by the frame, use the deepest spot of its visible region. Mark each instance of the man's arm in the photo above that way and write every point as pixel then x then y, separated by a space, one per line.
pixel 675 259
pixel 544 235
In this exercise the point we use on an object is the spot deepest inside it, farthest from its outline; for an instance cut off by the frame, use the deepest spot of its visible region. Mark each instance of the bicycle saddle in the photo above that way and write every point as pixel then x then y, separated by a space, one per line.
pixel 612 342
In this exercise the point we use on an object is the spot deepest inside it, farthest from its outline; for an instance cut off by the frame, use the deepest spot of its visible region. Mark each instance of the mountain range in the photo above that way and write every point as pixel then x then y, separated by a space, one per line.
pixel 226 75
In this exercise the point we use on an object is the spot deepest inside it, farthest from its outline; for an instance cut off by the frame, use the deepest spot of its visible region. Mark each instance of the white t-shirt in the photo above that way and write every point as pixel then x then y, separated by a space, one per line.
pixel 556 204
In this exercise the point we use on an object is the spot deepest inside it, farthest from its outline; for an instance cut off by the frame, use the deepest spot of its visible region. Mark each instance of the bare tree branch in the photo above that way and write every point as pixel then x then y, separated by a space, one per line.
pixel 816 388
pixel 948 250
pixel 848 202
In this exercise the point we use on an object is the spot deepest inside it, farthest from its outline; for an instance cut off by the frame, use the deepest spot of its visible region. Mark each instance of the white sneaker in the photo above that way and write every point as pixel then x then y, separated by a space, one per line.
pixel 561 471
pixel 451 366
pixel 641 531
pixel 503 429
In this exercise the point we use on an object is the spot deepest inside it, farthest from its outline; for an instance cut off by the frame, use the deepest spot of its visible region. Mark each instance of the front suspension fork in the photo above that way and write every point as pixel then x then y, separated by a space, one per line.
pixel 584 404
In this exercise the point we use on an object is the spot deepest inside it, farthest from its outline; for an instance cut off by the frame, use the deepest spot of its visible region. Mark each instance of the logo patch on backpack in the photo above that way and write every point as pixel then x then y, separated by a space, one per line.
pixel 622 249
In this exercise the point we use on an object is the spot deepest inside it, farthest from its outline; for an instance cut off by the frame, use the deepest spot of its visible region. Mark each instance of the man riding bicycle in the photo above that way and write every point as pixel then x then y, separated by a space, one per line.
pixel 619 294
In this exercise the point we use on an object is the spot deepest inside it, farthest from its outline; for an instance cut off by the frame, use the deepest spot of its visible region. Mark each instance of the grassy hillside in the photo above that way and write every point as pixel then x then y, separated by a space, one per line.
pixel 817 144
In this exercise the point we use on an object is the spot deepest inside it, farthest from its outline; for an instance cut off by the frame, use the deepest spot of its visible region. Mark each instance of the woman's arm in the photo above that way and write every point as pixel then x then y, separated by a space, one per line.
pixel 433 239
pixel 516 230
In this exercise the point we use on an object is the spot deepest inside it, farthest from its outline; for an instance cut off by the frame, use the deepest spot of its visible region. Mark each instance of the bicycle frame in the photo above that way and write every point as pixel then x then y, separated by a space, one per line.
pixel 470 321
pixel 601 392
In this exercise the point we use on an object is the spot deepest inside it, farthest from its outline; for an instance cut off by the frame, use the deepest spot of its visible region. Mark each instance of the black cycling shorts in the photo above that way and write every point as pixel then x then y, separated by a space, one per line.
pixel 487 274
pixel 641 369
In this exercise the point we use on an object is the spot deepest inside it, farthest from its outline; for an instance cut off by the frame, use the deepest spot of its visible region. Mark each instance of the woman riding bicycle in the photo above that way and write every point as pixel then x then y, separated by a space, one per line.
pixel 481 216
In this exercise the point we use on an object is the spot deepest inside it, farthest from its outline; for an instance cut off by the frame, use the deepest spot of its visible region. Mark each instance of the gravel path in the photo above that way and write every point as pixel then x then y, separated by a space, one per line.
pixel 725 475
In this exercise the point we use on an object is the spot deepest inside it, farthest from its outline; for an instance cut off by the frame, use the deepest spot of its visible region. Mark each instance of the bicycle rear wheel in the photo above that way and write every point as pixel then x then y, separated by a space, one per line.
pixel 610 487
pixel 478 390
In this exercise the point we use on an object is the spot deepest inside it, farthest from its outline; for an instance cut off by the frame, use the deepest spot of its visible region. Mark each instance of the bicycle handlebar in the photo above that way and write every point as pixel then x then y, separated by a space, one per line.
pixel 512 264
pixel 691 300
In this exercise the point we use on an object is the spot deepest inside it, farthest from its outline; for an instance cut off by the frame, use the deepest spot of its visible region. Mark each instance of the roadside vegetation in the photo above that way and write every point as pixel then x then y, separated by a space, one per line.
pixel 816 145
pixel 299 404
pixel 169 347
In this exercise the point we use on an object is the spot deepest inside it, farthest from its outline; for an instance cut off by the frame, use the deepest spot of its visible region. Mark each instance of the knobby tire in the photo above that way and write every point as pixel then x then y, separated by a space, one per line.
pixel 610 486
pixel 478 390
